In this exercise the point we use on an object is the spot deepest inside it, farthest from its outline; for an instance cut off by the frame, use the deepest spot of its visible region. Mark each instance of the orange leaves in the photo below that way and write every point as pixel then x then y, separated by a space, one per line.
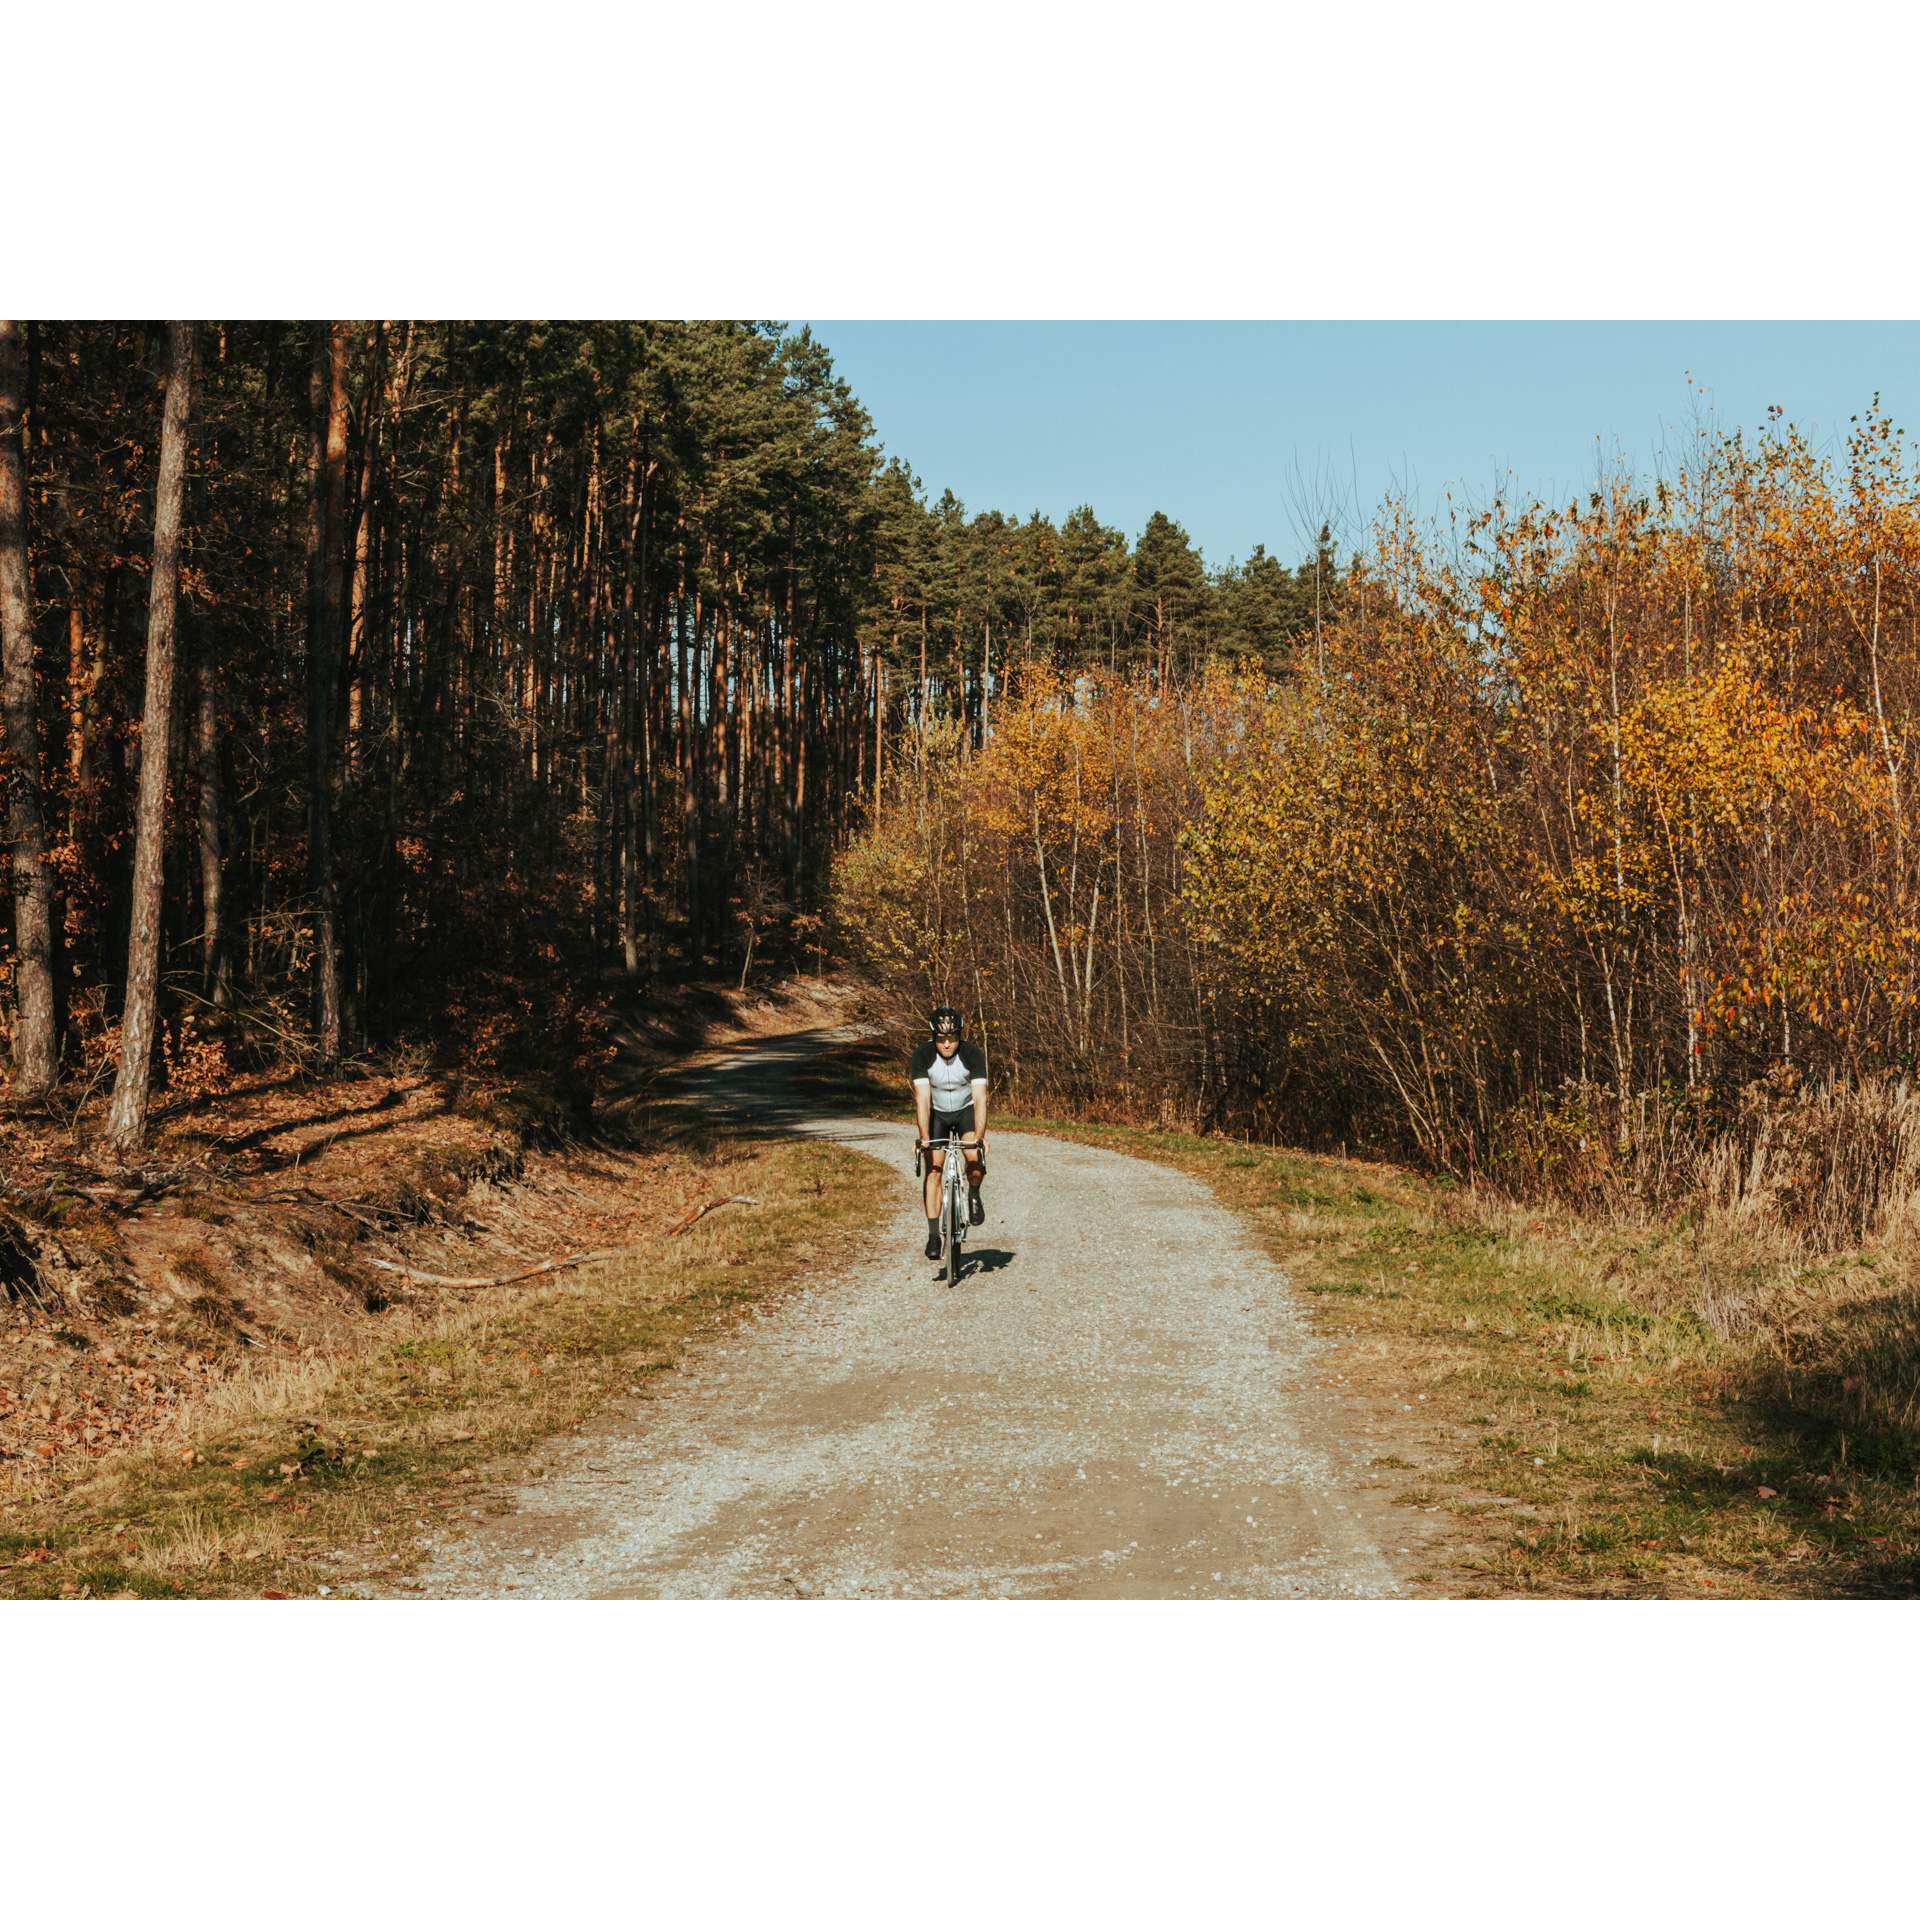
pixel 1616 784
pixel 1620 799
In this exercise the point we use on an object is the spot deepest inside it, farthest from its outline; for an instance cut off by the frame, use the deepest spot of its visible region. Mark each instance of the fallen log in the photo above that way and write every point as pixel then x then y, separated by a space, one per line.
pixel 700 1213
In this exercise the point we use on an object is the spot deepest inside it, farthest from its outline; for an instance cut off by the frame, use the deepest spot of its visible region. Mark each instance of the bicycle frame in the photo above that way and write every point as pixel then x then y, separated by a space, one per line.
pixel 953 1211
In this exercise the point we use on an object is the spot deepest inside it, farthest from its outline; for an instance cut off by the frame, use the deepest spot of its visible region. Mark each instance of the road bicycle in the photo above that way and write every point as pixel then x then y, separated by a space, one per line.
pixel 953 1196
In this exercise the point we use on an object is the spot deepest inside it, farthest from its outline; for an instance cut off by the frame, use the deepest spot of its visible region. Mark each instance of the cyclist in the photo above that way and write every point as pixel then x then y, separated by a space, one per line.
pixel 949 1075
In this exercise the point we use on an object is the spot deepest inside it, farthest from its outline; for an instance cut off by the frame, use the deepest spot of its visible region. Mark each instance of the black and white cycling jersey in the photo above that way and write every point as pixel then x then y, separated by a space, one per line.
pixel 951 1082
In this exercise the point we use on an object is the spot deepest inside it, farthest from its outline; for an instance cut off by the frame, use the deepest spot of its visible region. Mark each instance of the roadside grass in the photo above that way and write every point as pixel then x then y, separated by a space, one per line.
pixel 315 1471
pixel 1663 1411
pixel 1579 1417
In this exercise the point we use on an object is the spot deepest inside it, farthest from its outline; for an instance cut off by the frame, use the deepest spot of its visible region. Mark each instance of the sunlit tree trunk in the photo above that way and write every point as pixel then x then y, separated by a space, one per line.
pixel 35 1042
pixel 620 721
pixel 689 667
pixel 783 733
pixel 127 1124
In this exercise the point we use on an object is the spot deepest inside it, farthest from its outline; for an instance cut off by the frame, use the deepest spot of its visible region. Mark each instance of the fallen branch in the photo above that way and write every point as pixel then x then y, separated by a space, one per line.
pixel 266 1343
pixel 701 1212
pixel 498 1279
pixel 152 1187
pixel 320 1199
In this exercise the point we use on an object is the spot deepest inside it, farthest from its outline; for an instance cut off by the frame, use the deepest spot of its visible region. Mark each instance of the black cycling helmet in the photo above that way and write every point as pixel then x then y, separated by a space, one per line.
pixel 947 1020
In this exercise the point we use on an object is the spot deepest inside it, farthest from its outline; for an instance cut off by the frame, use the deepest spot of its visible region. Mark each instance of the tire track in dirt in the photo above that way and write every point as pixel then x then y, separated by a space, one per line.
pixel 1119 1400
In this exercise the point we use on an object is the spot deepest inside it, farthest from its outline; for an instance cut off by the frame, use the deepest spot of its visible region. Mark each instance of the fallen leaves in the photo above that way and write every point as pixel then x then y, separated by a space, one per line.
pixel 247 1471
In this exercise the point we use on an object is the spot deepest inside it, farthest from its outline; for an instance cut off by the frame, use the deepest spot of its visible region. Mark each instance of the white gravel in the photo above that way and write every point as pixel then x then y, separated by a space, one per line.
pixel 1117 1401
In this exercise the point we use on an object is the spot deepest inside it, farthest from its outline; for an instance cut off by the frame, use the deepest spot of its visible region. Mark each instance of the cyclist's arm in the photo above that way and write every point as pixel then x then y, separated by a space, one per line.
pixel 919 1077
pixel 977 1073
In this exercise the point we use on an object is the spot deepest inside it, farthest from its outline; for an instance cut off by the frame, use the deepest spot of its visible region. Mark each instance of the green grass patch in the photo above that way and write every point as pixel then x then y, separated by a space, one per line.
pixel 1639 1452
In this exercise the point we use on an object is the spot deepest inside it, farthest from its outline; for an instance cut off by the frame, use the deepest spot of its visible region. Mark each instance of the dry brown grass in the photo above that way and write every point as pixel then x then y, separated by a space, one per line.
pixel 292 1462
pixel 1805 1168
pixel 1819 1169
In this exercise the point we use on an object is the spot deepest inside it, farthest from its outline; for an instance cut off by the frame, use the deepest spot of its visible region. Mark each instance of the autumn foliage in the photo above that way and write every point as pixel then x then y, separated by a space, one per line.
pixel 1585 837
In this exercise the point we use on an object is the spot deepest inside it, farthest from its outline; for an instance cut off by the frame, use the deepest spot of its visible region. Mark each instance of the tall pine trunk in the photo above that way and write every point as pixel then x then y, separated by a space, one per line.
pixel 690 769
pixel 35 1040
pixel 215 969
pixel 326 476
pixel 127 1124
pixel 627 713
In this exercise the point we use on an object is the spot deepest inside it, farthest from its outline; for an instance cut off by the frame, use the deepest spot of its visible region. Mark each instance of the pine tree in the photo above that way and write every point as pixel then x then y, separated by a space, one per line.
pixel 127 1125
pixel 35 1043
pixel 1172 594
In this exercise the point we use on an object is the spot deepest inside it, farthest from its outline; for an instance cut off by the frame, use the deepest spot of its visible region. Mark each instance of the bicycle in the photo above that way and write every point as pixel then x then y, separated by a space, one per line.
pixel 953 1202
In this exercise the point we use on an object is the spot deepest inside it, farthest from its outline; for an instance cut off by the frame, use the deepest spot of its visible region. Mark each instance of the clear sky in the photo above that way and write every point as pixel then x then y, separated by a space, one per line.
pixel 1224 424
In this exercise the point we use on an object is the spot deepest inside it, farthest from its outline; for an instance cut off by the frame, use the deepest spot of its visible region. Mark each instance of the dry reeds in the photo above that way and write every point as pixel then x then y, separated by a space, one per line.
pixel 1820 1169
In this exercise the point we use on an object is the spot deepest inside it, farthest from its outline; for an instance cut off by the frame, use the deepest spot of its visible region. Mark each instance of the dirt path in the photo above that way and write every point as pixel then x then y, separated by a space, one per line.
pixel 1118 1400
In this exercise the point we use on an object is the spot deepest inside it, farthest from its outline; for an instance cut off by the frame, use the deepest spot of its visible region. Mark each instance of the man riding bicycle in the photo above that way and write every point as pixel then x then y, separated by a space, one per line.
pixel 949 1075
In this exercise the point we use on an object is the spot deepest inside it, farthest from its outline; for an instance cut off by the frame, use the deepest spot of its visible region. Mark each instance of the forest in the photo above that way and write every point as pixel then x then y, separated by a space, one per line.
pixel 484 668
pixel 435 685
pixel 1568 848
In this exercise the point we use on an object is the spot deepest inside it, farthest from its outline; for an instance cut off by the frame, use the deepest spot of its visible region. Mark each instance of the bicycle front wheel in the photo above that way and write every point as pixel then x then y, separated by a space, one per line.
pixel 950 1236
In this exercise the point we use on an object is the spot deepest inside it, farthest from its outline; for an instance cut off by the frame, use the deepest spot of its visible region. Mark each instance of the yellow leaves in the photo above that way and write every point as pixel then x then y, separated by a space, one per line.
pixel 1623 770
pixel 1718 747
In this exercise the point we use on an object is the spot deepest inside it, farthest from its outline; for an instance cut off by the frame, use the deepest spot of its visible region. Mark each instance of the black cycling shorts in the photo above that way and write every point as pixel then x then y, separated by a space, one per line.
pixel 949 1126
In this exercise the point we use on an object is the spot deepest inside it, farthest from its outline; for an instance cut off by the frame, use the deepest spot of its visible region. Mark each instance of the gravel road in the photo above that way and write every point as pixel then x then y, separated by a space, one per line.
pixel 1119 1400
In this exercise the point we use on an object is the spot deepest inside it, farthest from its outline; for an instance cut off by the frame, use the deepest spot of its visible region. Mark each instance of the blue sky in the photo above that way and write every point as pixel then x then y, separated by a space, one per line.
pixel 1217 422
